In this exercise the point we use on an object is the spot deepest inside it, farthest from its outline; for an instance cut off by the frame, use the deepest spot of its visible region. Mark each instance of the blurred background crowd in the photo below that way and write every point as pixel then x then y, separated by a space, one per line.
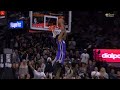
pixel 33 53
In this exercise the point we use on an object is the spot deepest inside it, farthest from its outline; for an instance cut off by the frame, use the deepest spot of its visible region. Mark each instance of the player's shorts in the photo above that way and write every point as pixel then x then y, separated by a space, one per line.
pixel 60 56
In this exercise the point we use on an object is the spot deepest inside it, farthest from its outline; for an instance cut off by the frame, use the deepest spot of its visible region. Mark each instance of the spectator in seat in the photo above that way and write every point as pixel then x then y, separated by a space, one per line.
pixel 39 73
pixel 27 76
pixel 85 57
pixel 21 76
pixel 83 70
pixel 103 74
pixel 23 69
pixel 14 69
pixel 112 74
pixel 90 50
pixel 71 54
pixel 38 56
pixel 57 68
pixel 77 54
pixel 49 67
pixel 75 70
pixel 15 56
pixel 30 70
pixel 42 64
pixel 72 44
pixel 118 74
pixel 69 72
pixel 16 45
pixel 95 74
pixel 90 68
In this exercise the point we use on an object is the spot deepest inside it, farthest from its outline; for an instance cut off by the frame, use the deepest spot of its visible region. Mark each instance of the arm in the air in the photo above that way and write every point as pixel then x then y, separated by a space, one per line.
pixel 62 28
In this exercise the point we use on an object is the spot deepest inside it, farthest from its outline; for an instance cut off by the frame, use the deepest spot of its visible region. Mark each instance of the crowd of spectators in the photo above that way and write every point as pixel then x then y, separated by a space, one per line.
pixel 34 53
pixel 96 28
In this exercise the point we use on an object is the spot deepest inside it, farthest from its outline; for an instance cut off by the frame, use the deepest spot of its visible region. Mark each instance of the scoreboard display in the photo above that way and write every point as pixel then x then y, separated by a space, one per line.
pixel 41 20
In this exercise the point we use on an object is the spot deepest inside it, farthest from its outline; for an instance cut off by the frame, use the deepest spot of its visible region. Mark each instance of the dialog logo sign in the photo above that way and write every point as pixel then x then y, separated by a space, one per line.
pixel 108 55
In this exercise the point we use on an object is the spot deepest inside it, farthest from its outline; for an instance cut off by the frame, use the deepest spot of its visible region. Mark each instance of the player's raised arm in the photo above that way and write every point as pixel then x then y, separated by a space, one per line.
pixel 62 28
pixel 64 35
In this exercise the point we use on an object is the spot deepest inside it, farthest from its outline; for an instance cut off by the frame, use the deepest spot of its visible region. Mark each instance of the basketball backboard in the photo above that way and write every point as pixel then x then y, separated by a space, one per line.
pixel 41 20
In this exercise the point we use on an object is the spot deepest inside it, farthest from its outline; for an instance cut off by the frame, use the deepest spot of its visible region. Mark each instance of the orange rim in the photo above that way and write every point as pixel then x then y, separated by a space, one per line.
pixel 51 28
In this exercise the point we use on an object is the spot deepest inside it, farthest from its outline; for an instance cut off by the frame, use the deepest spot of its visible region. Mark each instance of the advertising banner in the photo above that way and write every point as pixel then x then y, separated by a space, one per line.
pixel 108 55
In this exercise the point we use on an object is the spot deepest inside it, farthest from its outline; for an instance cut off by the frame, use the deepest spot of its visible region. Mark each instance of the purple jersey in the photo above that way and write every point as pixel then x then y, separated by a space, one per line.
pixel 61 46
pixel 61 51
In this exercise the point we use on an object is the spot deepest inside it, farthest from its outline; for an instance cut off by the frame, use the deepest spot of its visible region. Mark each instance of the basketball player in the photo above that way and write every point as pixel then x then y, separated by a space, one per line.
pixel 60 40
